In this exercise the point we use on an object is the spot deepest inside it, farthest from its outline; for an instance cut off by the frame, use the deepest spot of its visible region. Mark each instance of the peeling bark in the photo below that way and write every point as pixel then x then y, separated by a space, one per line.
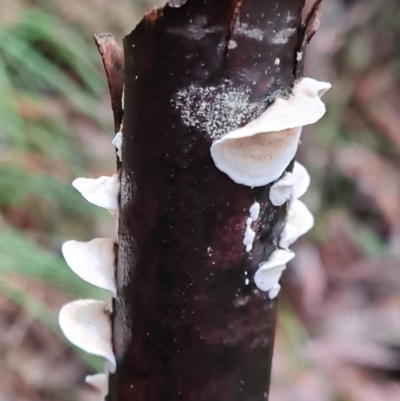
pixel 189 322
pixel 113 61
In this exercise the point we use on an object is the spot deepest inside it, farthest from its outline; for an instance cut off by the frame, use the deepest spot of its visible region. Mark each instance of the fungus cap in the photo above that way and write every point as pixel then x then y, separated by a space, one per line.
pixel 282 190
pixel 87 325
pixel 291 186
pixel 303 182
pixel 100 382
pixel 93 261
pixel 117 142
pixel 102 191
pixel 274 291
pixel 270 272
pixel 299 221
pixel 258 153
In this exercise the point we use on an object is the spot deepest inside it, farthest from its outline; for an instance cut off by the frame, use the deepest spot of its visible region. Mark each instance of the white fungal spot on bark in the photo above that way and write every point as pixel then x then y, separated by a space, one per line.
pixel 269 273
pixel 255 211
pixel 289 17
pixel 232 44
pixel 283 36
pixel 299 56
pixel 277 61
pixel 216 109
pixel 249 235
pixel 242 28
pixel 176 3
pixel 93 261
pixel 87 325
pixel 100 382
pixel 299 221
pixel 259 152
pixel 102 191
pixel 117 142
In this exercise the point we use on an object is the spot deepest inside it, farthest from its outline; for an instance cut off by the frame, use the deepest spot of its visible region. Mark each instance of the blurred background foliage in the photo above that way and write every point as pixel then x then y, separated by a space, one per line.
pixel 338 334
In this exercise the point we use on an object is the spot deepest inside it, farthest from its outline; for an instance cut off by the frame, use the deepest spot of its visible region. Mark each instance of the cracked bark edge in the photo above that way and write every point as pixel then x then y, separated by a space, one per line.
pixel 189 322
pixel 113 61
pixel 309 28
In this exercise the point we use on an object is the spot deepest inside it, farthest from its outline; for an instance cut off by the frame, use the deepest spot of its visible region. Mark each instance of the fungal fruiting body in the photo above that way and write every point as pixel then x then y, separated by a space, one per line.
pixel 292 185
pixel 259 154
pixel 117 142
pixel 249 234
pixel 102 191
pixel 92 261
pixel 299 221
pixel 87 323
pixel 99 381
pixel 269 273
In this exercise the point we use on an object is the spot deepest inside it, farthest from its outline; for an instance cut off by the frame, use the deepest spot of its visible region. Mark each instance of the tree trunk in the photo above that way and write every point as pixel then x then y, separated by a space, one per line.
pixel 205 196
pixel 189 323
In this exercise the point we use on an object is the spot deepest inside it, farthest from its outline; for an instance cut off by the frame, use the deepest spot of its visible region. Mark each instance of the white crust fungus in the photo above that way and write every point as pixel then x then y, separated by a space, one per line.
pixel 87 325
pixel 258 153
pixel 249 234
pixel 299 221
pixel 290 186
pixel 102 191
pixel 254 211
pixel 92 261
pixel 100 382
pixel 270 272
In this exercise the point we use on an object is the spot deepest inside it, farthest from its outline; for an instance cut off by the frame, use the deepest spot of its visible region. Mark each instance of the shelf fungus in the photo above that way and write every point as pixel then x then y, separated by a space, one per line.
pixel 117 142
pixel 258 153
pixel 86 324
pixel 299 221
pixel 269 273
pixel 102 191
pixel 93 261
pixel 100 382
pixel 291 186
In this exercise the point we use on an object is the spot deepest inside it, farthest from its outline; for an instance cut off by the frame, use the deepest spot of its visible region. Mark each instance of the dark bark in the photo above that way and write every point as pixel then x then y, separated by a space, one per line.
pixel 189 323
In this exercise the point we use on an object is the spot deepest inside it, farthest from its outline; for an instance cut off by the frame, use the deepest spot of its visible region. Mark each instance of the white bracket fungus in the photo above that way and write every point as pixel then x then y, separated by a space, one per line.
pixel 290 186
pixel 100 382
pixel 117 142
pixel 269 273
pixel 303 182
pixel 92 261
pixel 282 190
pixel 274 291
pixel 102 191
pixel 87 325
pixel 258 153
pixel 299 221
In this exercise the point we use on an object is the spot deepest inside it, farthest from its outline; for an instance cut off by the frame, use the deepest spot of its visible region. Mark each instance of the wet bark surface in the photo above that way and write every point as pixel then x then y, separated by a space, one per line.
pixel 189 323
